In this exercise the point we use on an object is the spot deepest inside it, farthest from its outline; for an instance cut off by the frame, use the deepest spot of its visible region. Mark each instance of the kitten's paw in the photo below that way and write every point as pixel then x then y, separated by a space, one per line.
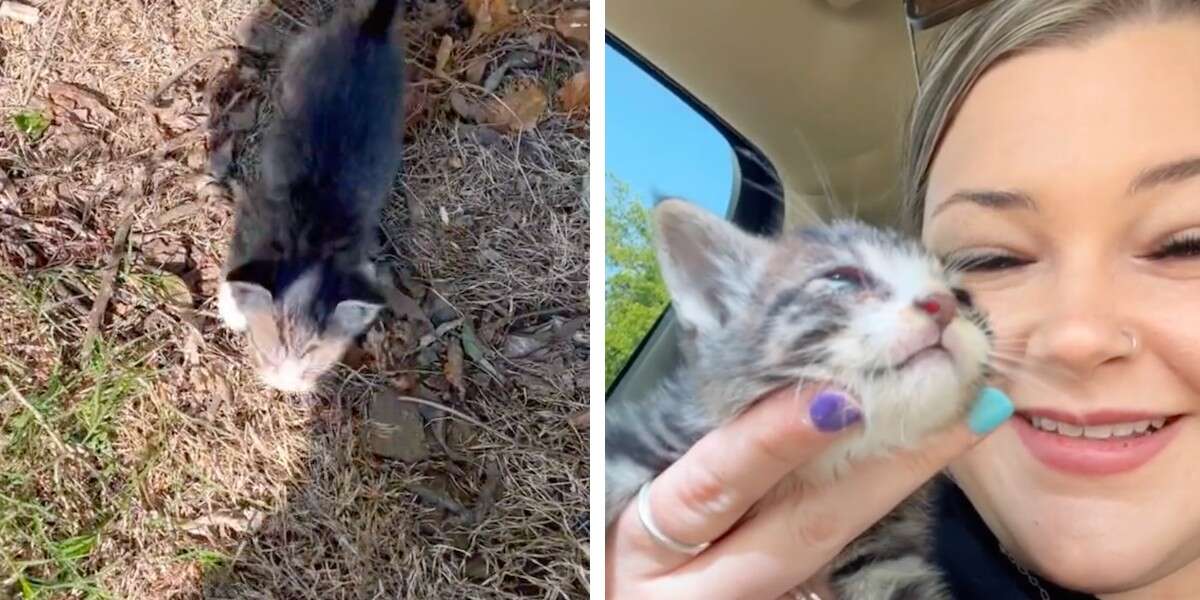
pixel 227 308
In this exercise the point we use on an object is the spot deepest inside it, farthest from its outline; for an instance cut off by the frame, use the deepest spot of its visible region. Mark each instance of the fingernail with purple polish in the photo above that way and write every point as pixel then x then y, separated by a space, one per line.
pixel 831 411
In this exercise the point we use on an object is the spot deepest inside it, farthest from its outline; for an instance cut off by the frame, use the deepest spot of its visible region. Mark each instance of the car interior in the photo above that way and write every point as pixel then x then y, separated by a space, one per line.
pixel 811 94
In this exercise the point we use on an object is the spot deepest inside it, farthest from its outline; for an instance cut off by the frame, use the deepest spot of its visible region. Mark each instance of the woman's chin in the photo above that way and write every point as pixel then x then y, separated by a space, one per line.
pixel 1097 534
pixel 1095 544
pixel 1106 565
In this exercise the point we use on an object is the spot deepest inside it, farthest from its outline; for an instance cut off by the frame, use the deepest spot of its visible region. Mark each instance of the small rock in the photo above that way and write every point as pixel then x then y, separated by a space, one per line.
pixel 395 429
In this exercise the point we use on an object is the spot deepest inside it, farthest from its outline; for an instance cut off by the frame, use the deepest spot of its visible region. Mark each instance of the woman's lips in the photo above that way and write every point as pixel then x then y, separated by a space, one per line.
pixel 1089 456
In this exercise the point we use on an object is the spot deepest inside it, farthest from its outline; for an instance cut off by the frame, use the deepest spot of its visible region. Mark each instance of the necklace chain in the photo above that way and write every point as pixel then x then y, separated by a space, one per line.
pixel 1033 580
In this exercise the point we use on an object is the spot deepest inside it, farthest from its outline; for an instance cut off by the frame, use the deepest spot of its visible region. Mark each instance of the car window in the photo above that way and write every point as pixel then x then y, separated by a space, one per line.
pixel 656 145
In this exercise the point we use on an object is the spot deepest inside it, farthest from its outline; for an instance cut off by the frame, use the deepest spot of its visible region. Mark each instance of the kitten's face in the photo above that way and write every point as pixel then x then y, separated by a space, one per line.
pixel 870 307
pixel 873 311
pixel 865 309
pixel 299 337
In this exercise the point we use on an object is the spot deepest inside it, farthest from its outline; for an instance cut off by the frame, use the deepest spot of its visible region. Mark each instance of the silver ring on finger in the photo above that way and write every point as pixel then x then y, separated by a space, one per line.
pixel 664 540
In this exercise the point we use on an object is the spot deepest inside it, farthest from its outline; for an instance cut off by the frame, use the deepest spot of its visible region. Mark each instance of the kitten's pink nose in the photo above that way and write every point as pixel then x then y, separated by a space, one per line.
pixel 941 306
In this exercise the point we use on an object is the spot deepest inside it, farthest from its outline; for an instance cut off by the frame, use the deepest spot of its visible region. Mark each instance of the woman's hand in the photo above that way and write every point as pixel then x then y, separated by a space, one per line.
pixel 706 493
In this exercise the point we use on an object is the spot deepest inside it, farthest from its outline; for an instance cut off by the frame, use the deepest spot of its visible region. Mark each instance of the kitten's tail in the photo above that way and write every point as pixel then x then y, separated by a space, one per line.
pixel 379 20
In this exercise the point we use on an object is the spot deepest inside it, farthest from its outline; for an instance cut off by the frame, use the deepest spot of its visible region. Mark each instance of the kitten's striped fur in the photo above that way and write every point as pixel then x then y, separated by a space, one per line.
pixel 760 314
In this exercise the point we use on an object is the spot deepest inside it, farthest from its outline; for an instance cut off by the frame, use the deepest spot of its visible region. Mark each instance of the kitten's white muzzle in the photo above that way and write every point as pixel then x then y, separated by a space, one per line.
pixel 288 378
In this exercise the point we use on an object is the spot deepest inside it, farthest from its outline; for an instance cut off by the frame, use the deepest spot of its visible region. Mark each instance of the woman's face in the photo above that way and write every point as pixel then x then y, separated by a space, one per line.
pixel 1070 177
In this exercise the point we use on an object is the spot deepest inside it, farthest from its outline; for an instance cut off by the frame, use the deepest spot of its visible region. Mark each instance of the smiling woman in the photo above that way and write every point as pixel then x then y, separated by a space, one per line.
pixel 1052 160
pixel 1072 206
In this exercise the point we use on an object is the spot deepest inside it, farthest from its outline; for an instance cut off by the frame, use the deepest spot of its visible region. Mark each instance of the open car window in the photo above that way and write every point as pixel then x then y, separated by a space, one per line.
pixel 661 141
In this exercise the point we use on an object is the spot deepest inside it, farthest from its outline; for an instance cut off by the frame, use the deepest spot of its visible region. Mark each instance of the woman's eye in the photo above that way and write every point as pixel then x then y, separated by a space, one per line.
pixel 1181 247
pixel 977 263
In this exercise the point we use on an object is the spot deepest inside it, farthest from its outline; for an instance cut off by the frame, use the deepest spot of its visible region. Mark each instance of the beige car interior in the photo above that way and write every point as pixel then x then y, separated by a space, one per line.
pixel 820 86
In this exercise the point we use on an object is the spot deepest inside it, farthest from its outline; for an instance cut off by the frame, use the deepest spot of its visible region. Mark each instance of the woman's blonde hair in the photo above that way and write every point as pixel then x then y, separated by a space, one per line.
pixel 977 40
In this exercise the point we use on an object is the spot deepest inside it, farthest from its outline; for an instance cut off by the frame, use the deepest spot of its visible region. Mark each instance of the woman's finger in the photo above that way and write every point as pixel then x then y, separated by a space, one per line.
pixel 706 491
pixel 789 540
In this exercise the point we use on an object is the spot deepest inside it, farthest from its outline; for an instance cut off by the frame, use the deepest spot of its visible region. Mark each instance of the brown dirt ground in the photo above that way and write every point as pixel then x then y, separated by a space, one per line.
pixel 150 464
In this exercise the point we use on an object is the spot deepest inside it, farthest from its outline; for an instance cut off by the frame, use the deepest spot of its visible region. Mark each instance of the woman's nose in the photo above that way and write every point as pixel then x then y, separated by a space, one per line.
pixel 1078 343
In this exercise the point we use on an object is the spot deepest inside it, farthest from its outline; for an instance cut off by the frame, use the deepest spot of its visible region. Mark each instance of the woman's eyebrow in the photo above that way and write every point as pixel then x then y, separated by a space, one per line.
pixel 1172 172
pixel 988 198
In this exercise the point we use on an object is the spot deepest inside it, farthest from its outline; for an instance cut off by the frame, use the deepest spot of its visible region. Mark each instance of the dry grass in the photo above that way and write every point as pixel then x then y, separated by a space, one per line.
pixel 150 464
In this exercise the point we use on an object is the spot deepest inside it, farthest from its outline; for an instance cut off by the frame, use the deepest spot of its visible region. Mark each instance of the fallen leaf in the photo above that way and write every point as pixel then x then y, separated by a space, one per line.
pixel 395 428
pixel 476 69
pixel 466 108
pixel 24 13
pixel 416 103
pixel 520 59
pixel 522 346
pixel 239 521
pixel 574 95
pixel 520 109
pixel 573 25
pixel 489 16
pixel 470 345
pixel 403 304
pixel 171 289
pixel 582 420
pixel 454 368
pixel 443 55
pixel 568 330
pixel 73 97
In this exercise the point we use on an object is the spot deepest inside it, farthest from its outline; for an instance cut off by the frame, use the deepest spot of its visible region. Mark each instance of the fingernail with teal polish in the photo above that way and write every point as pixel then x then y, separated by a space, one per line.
pixel 832 411
pixel 992 408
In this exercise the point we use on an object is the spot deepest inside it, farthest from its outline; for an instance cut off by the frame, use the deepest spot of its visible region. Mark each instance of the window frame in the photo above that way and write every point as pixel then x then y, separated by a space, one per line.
pixel 756 207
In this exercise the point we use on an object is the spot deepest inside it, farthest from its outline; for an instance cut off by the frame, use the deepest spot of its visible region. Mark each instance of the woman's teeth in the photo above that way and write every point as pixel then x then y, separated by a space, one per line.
pixel 1099 432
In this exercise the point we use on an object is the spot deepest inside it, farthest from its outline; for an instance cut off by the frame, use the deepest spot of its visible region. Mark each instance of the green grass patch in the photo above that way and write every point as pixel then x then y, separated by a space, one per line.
pixel 31 123
pixel 61 481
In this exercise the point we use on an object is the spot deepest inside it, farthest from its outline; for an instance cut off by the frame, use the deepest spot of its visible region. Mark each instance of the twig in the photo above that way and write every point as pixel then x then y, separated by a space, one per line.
pixel 104 295
pixel 459 414
pixel 152 100
pixel 436 498
pixel 487 493
pixel 96 317
pixel 62 5
pixel 286 13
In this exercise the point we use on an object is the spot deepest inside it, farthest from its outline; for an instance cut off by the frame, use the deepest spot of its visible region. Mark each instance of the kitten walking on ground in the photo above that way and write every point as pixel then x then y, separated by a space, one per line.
pixel 863 308
pixel 299 280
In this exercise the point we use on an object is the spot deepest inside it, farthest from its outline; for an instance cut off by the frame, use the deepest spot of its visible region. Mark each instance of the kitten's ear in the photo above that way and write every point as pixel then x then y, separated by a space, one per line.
pixel 351 317
pixel 250 285
pixel 708 263
pixel 250 296
pixel 364 302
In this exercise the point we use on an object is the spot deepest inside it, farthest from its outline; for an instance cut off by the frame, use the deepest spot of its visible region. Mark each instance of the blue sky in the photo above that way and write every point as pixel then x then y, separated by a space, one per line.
pixel 659 145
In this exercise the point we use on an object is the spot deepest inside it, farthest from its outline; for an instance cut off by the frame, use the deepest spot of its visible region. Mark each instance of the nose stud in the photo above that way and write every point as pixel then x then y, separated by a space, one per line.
pixel 1133 342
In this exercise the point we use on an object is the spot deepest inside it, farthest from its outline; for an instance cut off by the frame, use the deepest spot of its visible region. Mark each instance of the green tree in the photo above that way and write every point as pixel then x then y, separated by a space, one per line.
pixel 634 292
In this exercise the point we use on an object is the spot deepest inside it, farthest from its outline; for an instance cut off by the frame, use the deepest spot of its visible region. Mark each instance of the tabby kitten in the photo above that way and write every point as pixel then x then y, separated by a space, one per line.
pixel 299 279
pixel 865 308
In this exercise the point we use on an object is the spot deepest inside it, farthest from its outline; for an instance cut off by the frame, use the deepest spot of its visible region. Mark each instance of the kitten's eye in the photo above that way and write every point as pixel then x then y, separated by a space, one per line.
pixel 847 277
